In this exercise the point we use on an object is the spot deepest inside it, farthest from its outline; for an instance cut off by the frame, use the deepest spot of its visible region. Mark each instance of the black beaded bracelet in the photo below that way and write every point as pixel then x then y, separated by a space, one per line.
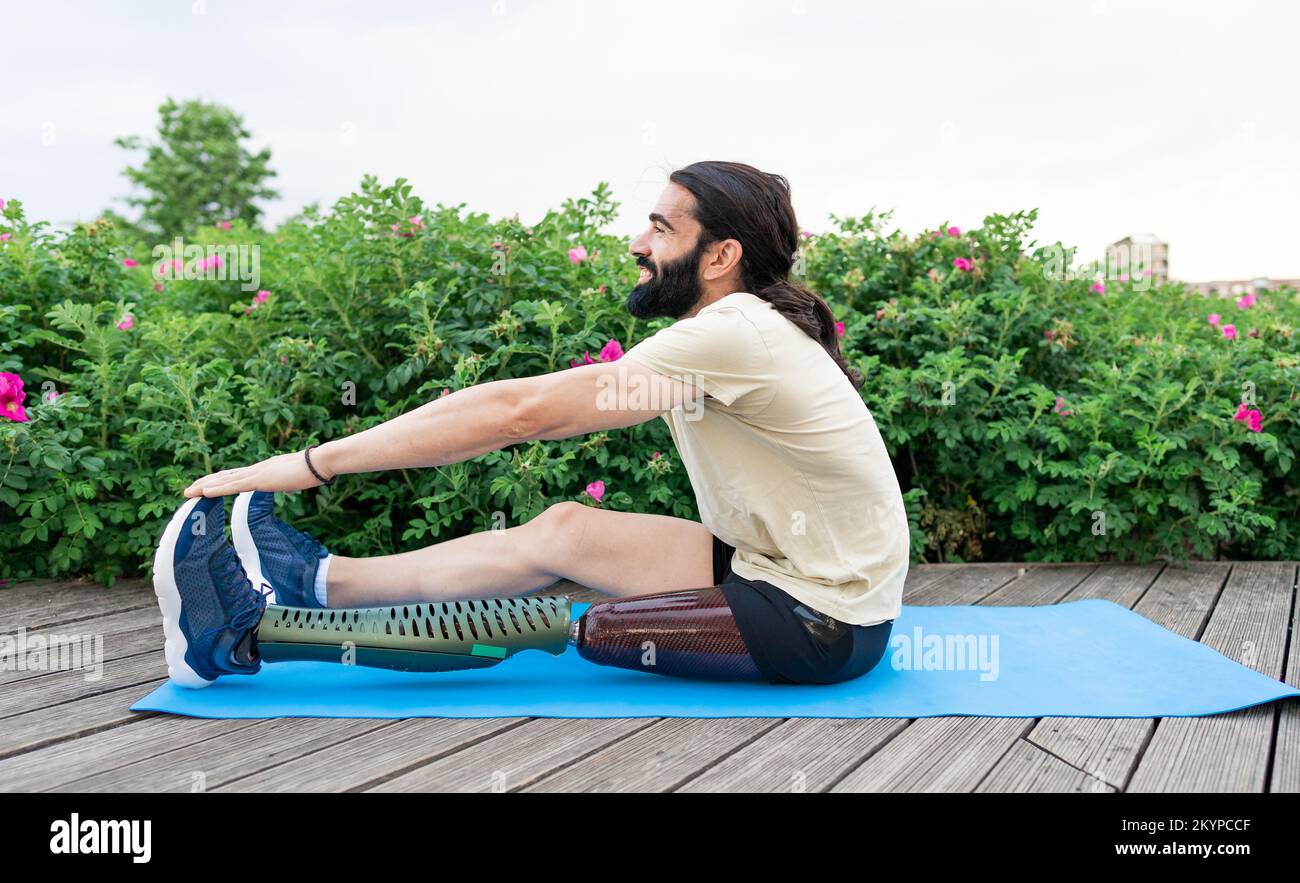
pixel 307 455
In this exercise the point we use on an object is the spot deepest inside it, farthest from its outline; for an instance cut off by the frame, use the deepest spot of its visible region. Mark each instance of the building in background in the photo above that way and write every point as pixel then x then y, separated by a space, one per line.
pixel 1133 255
pixel 1148 251
pixel 1235 287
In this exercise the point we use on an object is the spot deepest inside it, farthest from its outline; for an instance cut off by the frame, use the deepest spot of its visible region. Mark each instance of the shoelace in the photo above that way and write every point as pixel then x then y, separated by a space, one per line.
pixel 250 605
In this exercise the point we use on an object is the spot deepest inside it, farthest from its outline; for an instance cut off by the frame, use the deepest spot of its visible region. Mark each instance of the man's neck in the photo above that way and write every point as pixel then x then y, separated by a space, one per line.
pixel 707 299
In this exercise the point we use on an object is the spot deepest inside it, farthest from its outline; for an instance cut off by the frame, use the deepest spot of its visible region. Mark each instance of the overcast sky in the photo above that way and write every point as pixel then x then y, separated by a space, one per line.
pixel 1110 117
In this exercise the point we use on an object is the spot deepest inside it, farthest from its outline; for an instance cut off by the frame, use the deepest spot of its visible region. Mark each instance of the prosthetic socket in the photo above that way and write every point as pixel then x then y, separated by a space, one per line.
pixel 685 634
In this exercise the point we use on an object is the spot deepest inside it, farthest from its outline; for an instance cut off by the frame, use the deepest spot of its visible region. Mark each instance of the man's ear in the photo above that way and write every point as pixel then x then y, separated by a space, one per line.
pixel 721 259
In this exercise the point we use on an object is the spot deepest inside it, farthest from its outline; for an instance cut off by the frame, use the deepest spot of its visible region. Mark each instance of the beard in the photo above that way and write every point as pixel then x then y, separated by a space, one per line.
pixel 672 291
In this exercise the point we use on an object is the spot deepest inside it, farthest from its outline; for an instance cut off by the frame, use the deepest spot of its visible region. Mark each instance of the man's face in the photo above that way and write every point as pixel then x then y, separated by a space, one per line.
pixel 669 258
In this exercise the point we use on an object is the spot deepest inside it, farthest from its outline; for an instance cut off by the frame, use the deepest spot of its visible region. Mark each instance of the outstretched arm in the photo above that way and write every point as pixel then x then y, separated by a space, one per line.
pixel 473 421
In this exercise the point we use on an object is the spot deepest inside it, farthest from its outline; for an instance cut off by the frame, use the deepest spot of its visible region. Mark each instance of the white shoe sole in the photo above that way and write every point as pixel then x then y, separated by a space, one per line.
pixel 169 600
pixel 246 549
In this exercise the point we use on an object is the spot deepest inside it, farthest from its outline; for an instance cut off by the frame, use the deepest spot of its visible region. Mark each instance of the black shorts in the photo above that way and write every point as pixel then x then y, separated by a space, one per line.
pixel 789 641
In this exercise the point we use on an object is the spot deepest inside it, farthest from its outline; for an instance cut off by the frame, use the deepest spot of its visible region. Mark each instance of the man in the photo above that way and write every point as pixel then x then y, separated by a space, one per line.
pixel 795 573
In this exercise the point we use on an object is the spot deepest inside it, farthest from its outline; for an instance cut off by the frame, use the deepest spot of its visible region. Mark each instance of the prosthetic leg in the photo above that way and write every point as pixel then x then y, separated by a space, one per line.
pixel 683 634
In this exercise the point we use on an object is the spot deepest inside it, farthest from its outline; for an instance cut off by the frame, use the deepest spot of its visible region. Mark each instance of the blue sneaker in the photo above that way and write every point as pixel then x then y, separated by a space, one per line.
pixel 209 606
pixel 277 556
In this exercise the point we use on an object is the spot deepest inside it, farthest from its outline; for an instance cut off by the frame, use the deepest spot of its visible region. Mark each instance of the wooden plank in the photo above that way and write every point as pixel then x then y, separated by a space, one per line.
pixel 518 757
pixel 123 634
pixel 26 597
pixel 372 758
pixel 800 755
pixel 1285 776
pixel 73 604
pixel 965 586
pixel 659 757
pixel 71 720
pixel 254 747
pixel 1026 768
pixel 937 754
pixel 1122 584
pixel 58 687
pixel 56 765
pixel 1228 752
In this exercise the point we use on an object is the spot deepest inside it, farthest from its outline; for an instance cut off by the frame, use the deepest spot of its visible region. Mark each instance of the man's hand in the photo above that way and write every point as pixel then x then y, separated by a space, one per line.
pixel 286 472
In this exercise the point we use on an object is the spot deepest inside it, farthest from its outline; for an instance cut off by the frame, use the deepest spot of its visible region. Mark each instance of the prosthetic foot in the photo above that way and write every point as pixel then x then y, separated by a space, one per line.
pixel 439 636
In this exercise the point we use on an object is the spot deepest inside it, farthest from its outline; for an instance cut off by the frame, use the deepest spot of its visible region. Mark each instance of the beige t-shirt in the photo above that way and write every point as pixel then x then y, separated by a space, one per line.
pixel 785 459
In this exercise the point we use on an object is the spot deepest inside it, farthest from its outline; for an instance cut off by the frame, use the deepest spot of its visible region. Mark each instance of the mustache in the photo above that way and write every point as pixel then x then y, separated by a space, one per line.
pixel 644 263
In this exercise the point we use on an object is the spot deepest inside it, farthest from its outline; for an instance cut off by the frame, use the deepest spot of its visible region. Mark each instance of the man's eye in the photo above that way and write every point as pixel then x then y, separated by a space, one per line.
pixel 659 229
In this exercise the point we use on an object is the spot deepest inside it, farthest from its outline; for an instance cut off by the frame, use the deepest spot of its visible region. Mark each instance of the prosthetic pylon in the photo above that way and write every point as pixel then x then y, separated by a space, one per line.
pixel 438 636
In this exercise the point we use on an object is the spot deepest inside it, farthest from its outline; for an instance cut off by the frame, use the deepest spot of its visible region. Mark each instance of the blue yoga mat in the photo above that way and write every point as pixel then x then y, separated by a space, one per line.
pixel 1088 658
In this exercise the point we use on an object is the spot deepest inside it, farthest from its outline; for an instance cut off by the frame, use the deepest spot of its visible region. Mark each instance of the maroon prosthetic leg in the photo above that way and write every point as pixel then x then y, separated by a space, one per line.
pixel 688 634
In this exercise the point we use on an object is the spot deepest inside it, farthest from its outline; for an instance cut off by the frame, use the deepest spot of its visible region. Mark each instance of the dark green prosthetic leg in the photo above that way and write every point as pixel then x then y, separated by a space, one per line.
pixel 441 636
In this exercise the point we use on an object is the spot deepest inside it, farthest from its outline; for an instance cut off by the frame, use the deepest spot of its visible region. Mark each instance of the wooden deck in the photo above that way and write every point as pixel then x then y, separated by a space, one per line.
pixel 59 731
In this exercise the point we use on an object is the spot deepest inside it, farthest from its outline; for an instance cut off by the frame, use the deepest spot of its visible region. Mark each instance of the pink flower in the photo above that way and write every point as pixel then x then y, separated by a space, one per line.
pixel 839 329
pixel 1098 287
pixel 52 395
pixel 954 231
pixel 1146 272
pixel 128 263
pixel 211 261
pixel 12 397
pixel 444 393
pixel 806 234
pixel 933 274
pixel 1230 332
pixel 1049 334
pixel 261 297
pixel 1061 408
pixel 416 221
pixel 1123 277
pixel 224 225
pixel 963 264
pixel 2 205
pixel 1254 421
pixel 596 490
pixel 4 237
pixel 1246 301
pixel 127 323
pixel 611 352
pixel 577 255
pixel 158 287
pixel 1213 319
pixel 654 456
pixel 1242 413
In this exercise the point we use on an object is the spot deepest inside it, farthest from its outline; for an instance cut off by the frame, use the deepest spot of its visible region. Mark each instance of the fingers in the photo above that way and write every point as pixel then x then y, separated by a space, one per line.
pixel 218 484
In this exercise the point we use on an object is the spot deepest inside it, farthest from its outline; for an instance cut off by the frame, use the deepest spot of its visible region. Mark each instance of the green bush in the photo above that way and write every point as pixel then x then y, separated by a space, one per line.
pixel 382 303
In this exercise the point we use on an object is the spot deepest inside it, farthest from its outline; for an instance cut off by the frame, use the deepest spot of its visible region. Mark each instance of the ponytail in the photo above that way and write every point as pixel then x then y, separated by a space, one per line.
pixel 807 310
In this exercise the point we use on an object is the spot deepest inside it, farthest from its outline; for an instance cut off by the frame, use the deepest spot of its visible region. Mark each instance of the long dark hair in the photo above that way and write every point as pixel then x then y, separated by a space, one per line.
pixel 736 201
